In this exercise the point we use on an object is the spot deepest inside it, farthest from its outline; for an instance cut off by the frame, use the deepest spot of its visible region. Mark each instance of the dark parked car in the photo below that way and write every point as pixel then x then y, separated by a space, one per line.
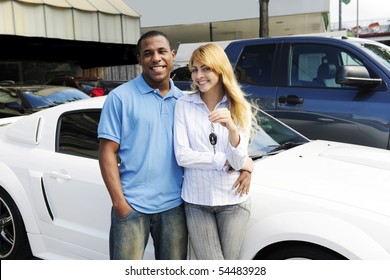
pixel 104 87
pixel 326 88
pixel 18 100
pixel 182 78
pixel 85 84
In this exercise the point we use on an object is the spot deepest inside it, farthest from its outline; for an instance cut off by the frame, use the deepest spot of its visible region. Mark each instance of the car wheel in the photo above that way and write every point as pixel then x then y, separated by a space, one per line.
pixel 13 237
pixel 298 250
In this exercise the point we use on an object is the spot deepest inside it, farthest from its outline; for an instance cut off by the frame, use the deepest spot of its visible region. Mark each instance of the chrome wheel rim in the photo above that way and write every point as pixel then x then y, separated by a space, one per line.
pixel 7 230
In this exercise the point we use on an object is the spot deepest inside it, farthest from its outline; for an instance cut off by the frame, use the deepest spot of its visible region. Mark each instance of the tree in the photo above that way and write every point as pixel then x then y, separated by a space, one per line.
pixel 263 11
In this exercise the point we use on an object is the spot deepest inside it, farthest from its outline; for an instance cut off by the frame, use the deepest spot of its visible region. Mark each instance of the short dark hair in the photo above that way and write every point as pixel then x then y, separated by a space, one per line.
pixel 149 34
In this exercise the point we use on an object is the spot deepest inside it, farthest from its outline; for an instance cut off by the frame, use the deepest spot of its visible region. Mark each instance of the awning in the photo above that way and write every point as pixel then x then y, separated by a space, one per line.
pixel 44 28
pixel 108 21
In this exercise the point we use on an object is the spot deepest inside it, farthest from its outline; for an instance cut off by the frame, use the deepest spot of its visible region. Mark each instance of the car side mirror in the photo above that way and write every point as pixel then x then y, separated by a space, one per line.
pixel 356 76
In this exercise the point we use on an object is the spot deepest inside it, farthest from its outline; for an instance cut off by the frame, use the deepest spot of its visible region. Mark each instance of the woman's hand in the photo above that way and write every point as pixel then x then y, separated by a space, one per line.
pixel 223 117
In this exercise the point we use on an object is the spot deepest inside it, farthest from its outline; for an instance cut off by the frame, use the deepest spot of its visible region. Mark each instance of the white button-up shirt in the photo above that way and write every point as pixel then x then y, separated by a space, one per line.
pixel 205 182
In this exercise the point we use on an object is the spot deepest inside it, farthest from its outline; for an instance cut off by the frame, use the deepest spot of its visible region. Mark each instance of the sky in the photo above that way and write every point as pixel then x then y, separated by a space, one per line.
pixel 369 11
pixel 155 13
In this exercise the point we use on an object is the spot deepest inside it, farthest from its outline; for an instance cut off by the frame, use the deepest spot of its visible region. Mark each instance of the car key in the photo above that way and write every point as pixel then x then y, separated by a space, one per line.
pixel 213 139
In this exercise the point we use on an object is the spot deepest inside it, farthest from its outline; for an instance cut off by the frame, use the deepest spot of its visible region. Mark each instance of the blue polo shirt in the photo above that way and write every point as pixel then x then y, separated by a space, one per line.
pixel 140 120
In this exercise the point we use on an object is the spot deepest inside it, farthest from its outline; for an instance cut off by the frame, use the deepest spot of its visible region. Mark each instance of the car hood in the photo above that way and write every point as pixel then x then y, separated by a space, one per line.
pixel 346 174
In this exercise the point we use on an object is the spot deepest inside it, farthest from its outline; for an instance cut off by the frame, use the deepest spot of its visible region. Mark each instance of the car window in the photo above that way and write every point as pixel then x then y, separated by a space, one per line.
pixel 347 59
pixel 56 83
pixel 379 51
pixel 109 85
pixel 255 64
pixel 49 97
pixel 77 134
pixel 181 74
pixel 314 65
pixel 69 83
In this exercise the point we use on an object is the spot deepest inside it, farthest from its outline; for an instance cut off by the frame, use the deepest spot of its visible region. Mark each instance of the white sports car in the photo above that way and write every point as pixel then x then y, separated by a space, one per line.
pixel 310 199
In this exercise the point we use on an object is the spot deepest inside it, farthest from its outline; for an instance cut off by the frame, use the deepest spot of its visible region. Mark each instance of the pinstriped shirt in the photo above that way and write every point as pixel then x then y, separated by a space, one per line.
pixel 205 182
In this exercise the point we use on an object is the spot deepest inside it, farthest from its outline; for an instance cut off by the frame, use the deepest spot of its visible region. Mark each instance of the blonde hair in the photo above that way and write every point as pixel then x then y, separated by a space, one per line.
pixel 213 56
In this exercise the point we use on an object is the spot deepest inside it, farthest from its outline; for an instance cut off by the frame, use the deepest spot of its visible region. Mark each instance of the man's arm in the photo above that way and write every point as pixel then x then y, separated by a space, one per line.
pixel 109 168
pixel 243 182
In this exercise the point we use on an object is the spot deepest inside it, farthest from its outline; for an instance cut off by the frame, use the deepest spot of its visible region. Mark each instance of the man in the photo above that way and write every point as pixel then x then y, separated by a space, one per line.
pixel 136 127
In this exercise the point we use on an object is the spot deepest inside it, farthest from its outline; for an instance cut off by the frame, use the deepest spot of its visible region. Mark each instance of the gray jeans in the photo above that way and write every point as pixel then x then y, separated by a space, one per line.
pixel 216 232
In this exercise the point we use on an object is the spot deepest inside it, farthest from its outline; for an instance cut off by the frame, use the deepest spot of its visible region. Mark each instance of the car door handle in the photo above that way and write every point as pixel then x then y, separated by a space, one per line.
pixel 291 99
pixel 59 175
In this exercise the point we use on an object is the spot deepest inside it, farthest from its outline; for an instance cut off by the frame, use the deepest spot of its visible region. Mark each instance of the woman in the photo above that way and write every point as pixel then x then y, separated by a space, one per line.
pixel 212 127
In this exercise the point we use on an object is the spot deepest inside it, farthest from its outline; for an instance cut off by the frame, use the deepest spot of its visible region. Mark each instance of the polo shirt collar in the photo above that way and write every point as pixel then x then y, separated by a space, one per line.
pixel 144 88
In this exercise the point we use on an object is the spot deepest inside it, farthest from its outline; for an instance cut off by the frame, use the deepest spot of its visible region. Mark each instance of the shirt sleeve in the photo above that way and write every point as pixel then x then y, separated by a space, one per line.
pixel 185 155
pixel 110 119
pixel 237 156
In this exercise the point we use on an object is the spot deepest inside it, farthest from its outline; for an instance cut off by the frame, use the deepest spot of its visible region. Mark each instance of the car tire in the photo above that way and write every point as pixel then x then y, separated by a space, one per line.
pixel 298 250
pixel 13 237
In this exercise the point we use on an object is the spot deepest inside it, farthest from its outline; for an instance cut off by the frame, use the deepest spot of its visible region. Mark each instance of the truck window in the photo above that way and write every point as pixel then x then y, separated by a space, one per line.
pixel 255 65
pixel 313 65
pixel 346 59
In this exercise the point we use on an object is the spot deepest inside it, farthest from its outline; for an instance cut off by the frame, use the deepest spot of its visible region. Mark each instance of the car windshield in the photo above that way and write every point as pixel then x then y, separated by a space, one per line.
pixel 274 136
pixel 39 101
pixel 380 51
pixel 110 85
pixel 7 96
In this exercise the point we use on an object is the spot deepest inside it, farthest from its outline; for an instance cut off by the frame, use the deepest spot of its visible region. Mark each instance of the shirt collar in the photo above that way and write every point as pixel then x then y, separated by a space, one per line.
pixel 198 99
pixel 144 88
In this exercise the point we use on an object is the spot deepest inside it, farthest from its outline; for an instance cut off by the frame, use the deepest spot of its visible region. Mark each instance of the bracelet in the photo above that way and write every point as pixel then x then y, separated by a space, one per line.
pixel 250 172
